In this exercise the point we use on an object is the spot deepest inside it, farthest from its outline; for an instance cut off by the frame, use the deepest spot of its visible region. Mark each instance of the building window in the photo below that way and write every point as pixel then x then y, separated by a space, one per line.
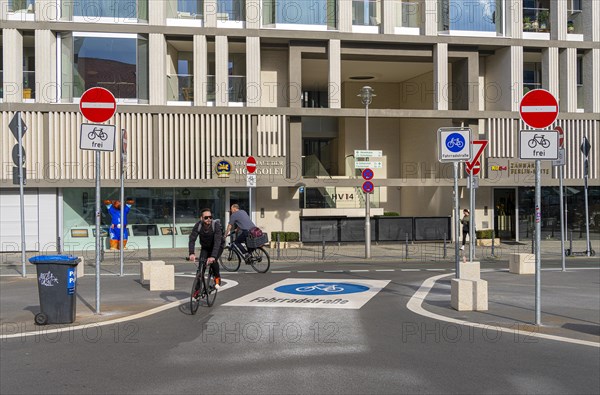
pixel 95 10
pixel 469 15
pixel 23 6
pixel 580 97
pixel 366 12
pixel 532 76
pixel 300 12
pixel 536 16
pixel 180 85
pixel 119 64
pixel 231 10
pixel 185 9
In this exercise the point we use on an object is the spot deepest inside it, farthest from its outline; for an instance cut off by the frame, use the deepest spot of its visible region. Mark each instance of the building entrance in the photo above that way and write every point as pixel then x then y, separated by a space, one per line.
pixel 504 213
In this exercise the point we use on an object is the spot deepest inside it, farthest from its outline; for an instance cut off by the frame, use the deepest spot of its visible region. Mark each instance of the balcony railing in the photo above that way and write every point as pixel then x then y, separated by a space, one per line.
pixel 236 91
pixel 536 20
pixel 408 14
pixel 181 87
pixel 366 12
pixel 185 9
pixel 231 10
pixel 29 85
pixel 23 6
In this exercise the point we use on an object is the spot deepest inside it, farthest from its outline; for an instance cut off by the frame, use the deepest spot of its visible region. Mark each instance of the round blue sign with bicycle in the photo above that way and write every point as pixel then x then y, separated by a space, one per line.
pixel 322 288
pixel 455 142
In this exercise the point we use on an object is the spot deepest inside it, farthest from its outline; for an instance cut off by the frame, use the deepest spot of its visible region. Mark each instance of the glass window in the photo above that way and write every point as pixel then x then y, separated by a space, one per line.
pixel 26 6
pixel 366 12
pixel 469 15
pixel 116 9
pixel 115 63
pixel 300 12
pixel 231 10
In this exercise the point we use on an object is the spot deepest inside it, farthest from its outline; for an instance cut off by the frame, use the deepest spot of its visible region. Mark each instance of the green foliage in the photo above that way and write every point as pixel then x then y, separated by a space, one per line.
pixel 285 236
pixel 391 214
pixel 485 233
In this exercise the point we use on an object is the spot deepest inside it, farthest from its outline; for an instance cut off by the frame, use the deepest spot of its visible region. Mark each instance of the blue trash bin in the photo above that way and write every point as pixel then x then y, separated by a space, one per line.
pixel 57 287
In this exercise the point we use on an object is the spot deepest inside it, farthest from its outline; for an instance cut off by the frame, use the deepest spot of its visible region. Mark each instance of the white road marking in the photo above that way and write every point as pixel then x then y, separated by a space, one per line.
pixel 416 301
pixel 281 271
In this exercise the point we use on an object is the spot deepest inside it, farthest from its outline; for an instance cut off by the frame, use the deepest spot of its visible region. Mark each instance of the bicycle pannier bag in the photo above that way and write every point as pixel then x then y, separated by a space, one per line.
pixel 256 232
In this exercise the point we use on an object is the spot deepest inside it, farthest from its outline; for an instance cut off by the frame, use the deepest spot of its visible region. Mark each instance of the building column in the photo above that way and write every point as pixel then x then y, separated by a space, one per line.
pixel 210 13
pixel 12 48
pixel 440 76
pixel 591 77
pixel 157 69
pixel 514 18
pixel 221 71
pixel 294 148
pixel 473 82
pixel 568 80
pixel 253 14
pixel 388 17
pixel 431 17
pixel 344 16
pixel 550 74
pixel 516 77
pixel 157 11
pixel 253 66
pixel 200 70
pixel 45 66
pixel 591 20
pixel 295 77
pixel 335 74
pixel 558 20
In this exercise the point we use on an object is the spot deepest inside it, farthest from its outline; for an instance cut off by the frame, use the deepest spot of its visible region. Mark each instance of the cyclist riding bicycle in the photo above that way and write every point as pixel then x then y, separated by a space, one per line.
pixel 242 220
pixel 211 241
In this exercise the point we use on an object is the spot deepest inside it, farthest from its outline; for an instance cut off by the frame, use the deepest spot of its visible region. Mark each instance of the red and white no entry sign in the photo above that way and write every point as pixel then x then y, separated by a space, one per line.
pixel 538 108
pixel 251 165
pixel 476 168
pixel 561 136
pixel 98 104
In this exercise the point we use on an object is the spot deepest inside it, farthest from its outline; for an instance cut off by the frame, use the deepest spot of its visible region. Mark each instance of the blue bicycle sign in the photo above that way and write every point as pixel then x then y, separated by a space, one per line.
pixel 455 142
pixel 322 288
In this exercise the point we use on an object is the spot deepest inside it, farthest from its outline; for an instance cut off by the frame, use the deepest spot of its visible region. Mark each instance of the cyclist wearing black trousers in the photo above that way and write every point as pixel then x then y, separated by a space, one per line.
pixel 242 220
pixel 212 242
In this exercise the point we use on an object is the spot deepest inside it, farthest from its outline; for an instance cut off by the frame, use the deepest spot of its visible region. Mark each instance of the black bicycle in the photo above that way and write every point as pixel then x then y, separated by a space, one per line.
pixel 204 287
pixel 232 257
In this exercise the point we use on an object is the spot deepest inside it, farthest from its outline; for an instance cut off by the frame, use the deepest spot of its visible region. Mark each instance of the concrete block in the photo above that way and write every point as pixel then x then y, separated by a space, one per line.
pixel 145 270
pixel 162 277
pixel 469 295
pixel 469 270
pixel 521 263
pixel 80 267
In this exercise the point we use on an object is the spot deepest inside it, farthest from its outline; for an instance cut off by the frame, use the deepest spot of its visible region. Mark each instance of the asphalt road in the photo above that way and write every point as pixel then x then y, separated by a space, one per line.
pixel 380 348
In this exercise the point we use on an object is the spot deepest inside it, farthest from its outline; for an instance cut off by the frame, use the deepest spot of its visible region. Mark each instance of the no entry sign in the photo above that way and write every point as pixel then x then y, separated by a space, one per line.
pixel 251 165
pixel 98 105
pixel 538 108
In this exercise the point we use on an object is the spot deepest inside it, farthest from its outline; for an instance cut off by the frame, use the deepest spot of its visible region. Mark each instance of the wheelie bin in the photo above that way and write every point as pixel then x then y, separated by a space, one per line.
pixel 57 286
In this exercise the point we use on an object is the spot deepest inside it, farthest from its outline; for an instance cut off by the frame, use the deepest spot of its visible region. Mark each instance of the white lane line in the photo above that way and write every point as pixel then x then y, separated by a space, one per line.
pixel 416 301
pixel 385 270
pixel 333 271
pixel 307 271
pixel 228 284
pixel 435 270
pixel 358 270
pixel 281 271
pixel 410 270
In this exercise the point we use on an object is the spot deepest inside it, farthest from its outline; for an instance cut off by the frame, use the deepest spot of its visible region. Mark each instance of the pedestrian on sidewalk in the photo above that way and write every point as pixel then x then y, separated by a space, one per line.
pixel 465 226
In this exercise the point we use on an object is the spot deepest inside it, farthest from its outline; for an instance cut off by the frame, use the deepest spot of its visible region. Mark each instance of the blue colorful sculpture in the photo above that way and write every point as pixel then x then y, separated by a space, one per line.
pixel 114 209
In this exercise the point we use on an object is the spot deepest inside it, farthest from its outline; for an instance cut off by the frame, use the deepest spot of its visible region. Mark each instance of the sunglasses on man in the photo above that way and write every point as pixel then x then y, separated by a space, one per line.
pixel 207 217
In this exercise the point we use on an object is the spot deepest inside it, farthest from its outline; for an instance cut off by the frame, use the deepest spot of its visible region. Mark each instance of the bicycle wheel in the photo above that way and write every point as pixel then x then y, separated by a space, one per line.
pixel 260 260
pixel 195 295
pixel 209 284
pixel 229 260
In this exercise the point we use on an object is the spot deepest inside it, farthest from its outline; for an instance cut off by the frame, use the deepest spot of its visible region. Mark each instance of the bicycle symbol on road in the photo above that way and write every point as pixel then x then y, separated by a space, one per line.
pixel 538 139
pixel 98 132
pixel 455 142
pixel 321 287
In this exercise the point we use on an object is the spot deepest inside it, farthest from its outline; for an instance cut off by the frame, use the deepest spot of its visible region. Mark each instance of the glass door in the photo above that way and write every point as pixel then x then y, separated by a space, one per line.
pixel 504 213
pixel 241 197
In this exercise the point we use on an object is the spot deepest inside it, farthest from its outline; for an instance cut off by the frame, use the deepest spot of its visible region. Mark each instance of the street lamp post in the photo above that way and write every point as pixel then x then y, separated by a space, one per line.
pixel 366 95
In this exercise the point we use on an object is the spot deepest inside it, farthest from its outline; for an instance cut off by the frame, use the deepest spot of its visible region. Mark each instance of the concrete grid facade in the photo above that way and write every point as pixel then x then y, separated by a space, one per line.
pixel 279 80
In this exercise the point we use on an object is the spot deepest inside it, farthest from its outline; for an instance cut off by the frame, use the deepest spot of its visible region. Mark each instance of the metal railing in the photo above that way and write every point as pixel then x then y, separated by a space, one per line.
pixel 366 12
pixel 408 14
pixel 180 87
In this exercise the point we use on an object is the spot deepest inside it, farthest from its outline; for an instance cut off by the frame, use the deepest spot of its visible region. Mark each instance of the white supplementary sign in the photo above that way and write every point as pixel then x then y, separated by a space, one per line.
pixel 561 157
pixel 251 180
pixel 368 154
pixel 313 293
pixel 97 137
pixel 538 144
pixel 368 165
pixel 454 145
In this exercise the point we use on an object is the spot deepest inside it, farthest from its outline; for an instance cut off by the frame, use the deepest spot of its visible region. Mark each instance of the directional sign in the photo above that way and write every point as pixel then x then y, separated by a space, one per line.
pixel 367 174
pixel 97 104
pixel 251 165
pixel 368 187
pixel 454 144
pixel 14 125
pixel 367 154
pixel 366 165
pixel 538 108
pixel 538 144
pixel 97 137
pixel 474 163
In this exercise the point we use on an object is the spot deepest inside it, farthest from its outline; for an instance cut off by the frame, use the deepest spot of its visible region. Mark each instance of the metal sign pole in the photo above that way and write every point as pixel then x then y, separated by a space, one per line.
pixel 471 216
pixel 538 238
pixel 98 238
pixel 21 193
pixel 588 246
pixel 456 221
pixel 562 217
pixel 368 195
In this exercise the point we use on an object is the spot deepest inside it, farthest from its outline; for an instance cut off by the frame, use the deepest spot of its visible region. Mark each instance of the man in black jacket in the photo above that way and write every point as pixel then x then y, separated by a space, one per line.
pixel 212 242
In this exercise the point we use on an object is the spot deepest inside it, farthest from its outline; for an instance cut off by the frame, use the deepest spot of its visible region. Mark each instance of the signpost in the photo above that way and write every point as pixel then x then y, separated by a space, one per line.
pixel 98 105
pixel 585 150
pixel 560 162
pixel 454 145
pixel 18 128
pixel 473 167
pixel 122 230
pixel 251 181
pixel 538 109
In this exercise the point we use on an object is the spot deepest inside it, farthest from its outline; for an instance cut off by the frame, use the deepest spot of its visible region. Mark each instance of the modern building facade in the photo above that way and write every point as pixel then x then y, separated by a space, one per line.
pixel 203 84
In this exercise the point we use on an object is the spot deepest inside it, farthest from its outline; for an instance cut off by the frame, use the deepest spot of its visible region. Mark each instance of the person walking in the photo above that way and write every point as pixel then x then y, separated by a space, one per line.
pixel 242 220
pixel 212 242
pixel 465 221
